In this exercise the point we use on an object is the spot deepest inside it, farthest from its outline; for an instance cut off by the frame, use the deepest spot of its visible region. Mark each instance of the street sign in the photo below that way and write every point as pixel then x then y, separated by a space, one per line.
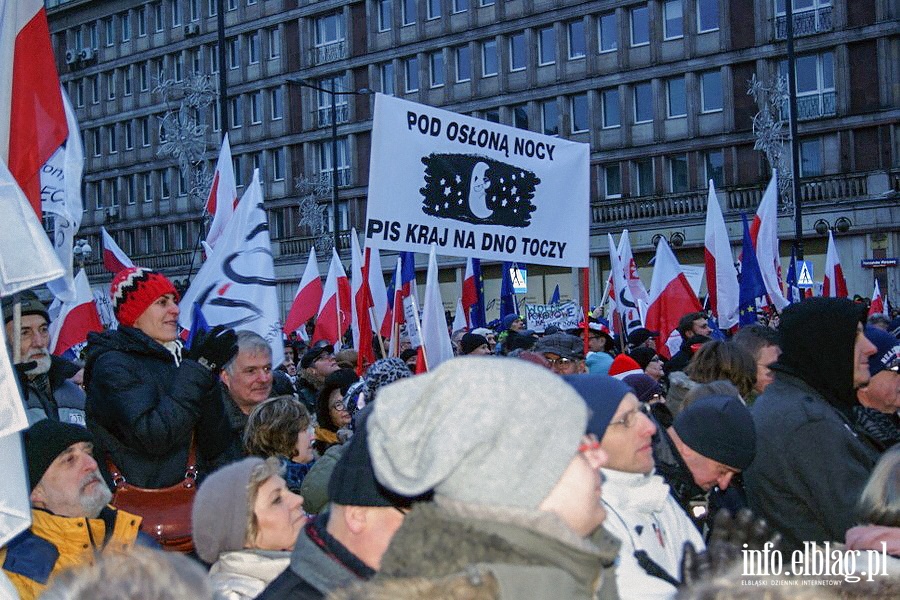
pixel 805 277
pixel 875 263
pixel 519 276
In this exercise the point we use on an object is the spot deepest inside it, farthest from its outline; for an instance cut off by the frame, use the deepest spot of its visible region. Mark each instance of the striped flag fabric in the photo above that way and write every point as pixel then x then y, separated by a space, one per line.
pixel 114 259
pixel 721 276
pixel 308 297
pixel 671 296
pixel 223 197
pixel 834 284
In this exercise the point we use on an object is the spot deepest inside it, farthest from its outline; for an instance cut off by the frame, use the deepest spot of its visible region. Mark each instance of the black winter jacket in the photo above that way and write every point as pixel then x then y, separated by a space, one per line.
pixel 142 408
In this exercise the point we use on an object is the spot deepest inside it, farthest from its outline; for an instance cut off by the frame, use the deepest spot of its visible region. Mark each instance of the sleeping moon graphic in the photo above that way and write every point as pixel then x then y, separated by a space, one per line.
pixel 478 185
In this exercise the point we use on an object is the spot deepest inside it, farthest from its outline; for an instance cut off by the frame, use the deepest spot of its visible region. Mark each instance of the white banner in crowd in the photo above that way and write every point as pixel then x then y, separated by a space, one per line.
pixel 565 315
pixel 475 188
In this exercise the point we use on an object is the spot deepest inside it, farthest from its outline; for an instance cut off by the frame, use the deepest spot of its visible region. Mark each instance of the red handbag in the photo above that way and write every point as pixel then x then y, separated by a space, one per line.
pixel 166 512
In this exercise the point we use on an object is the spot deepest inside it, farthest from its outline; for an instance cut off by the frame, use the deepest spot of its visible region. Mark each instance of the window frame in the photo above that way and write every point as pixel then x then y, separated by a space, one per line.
pixel 631 13
pixel 669 109
pixel 635 88
pixel 665 19
pixel 513 55
pixel 573 100
pixel 542 62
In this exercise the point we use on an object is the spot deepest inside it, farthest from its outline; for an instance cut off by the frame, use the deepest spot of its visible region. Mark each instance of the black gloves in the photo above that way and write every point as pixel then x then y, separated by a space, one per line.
pixel 22 374
pixel 214 348
pixel 726 542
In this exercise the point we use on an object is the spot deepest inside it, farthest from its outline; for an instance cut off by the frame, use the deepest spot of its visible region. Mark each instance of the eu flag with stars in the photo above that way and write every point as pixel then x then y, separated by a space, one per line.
pixel 752 285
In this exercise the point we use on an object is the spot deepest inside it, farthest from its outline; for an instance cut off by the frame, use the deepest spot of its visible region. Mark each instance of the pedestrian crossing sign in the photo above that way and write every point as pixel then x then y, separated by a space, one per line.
pixel 805 277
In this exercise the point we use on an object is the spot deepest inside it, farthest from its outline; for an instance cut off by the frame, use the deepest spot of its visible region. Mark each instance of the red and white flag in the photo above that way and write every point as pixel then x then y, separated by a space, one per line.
pixel 435 337
pixel 877 305
pixel 394 316
pixel 361 302
pixel 671 296
pixel 333 318
pixel 113 258
pixel 76 318
pixel 309 296
pixel 32 118
pixel 764 233
pixel 469 293
pixel 626 316
pixel 721 276
pixel 834 284
pixel 223 197
pixel 376 286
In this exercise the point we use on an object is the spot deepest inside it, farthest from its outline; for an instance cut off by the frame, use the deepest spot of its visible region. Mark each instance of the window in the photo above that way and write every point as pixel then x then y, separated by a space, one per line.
pixel 130 189
pixel 492 115
pixel 232 5
pixel 278 164
pixel 147 184
pixel 113 142
pixel 549 117
pixel 214 58
pixel 675 97
pixel 673 19
pixel 520 116
pixel 463 63
pixel 255 108
pixel 176 13
pixel 113 185
pixel 178 61
pixel 640 26
pixel 144 124
pixel 815 85
pixel 234 53
pixel 385 14
pixel 460 6
pixel 607 30
pixel 579 111
pixel 238 171
pixel 643 102
pixel 711 91
pixel 810 157
pixel 196 60
pixel 611 115
pixel 235 116
pixel 95 134
pixel 387 78
pixel 489 63
pixel 707 15
pixel 436 66
pixel 275 105
pixel 714 168
pixel 547 46
pixel 182 188
pixel 215 109
pixel 342 156
pixel 144 76
pixel 165 183
pixel 126 26
pixel 253 47
pixel 95 89
pixel 98 194
pixel 433 9
pixel 79 93
pixel 111 85
pixel 274 43
pixel 330 36
pixel 194 9
pixel 642 177
pixel 142 21
pixel 129 135
pixel 212 8
pixel 108 31
pixel 93 36
pixel 181 236
pixel 411 70
pixel 158 22
pixel 147 237
pixel 487 2
pixel 678 173
pixel 408 10
pixel 575 31
pixel 517 51
pixel 612 176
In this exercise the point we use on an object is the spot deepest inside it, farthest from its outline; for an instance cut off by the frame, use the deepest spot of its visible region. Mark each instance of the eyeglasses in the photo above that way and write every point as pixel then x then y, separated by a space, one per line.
pixel 559 362
pixel 629 419
pixel 339 406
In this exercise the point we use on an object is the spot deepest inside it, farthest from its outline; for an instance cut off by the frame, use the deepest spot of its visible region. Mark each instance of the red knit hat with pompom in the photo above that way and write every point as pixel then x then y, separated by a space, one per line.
pixel 136 288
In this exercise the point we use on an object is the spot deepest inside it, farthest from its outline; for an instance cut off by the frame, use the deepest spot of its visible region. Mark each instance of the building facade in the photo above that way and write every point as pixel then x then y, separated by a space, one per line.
pixel 658 88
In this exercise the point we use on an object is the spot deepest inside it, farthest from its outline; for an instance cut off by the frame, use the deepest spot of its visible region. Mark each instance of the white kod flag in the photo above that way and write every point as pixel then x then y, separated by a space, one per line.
pixel 15 510
pixel 475 188
pixel 235 287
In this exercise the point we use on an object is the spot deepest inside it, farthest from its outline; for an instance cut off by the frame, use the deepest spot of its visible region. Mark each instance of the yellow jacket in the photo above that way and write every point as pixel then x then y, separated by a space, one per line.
pixel 55 543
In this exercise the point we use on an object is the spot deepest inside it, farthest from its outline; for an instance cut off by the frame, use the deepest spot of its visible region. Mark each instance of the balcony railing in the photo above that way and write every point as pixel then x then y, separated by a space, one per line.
pixel 169 260
pixel 344 176
pixel 323 114
pixel 300 246
pixel 807 22
pixel 330 52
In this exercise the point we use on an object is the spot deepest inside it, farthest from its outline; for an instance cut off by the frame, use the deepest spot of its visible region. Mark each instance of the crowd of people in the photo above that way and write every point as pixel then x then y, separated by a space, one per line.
pixel 561 464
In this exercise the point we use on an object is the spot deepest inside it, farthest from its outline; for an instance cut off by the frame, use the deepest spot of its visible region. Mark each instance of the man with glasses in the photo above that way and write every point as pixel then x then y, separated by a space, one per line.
pixel 876 417
pixel 317 363
pixel 640 510
pixel 564 352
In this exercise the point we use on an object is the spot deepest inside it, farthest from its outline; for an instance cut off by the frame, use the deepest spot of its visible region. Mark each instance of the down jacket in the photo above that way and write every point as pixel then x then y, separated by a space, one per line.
pixel 142 408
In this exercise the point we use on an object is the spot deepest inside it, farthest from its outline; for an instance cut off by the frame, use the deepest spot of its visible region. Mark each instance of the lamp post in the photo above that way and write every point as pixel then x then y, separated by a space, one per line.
pixel 792 124
pixel 82 252
pixel 333 93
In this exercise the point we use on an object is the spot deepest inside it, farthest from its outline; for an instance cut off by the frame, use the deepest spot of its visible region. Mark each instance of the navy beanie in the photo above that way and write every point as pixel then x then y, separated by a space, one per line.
pixel 602 394
pixel 47 439
pixel 720 428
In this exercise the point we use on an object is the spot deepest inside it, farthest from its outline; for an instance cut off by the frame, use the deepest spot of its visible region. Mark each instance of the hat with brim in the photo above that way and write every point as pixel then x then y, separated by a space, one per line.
pixel 313 354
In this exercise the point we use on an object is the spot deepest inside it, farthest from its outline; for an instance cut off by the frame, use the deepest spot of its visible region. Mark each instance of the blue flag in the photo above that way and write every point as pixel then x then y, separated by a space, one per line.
pixel 752 285
pixel 793 291
pixel 198 324
pixel 554 299
pixel 508 304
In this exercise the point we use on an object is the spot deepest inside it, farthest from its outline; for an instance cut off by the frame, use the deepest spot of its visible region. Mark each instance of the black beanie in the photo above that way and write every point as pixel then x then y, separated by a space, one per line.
pixel 720 428
pixel 31 305
pixel 471 342
pixel 47 439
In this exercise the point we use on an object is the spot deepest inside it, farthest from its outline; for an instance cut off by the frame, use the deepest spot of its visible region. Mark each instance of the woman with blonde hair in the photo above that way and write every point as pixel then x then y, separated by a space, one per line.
pixel 281 427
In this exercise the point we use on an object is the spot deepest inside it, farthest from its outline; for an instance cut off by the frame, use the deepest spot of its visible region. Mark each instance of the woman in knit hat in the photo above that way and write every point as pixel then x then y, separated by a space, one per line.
pixel 147 397
pixel 516 511
pixel 245 523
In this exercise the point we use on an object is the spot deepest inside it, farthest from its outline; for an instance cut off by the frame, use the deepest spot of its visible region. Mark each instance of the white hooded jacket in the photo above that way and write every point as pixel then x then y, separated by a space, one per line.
pixel 244 574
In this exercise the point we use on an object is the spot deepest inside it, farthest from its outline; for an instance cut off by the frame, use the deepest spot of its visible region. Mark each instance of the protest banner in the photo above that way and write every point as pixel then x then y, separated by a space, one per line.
pixel 565 315
pixel 475 188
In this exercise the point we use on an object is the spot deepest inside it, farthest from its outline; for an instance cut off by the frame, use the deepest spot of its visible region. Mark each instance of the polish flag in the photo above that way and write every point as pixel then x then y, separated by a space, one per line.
pixel 223 195
pixel 877 305
pixel 764 233
pixel 469 293
pixel 113 258
pixel 671 297
pixel 626 314
pixel 376 286
pixel 76 318
pixel 721 276
pixel 309 296
pixel 435 337
pixel 361 302
pixel 333 318
pixel 834 285
pixel 394 316
pixel 387 323
pixel 32 118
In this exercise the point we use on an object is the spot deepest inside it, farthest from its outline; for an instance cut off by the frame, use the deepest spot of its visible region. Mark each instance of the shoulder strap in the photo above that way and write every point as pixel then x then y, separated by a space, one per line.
pixel 190 471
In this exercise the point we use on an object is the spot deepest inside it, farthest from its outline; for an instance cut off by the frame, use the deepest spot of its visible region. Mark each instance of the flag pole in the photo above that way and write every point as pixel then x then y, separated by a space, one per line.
pixel 17 330
pixel 378 333
pixel 419 329
pixel 585 303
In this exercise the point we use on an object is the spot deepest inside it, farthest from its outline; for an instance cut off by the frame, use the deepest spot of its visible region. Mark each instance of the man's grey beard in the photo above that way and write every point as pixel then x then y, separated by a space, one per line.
pixel 43 362
pixel 93 502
